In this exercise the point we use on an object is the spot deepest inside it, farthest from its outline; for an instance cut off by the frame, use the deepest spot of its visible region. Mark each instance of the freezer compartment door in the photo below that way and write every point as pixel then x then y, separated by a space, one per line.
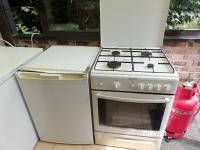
pixel 60 108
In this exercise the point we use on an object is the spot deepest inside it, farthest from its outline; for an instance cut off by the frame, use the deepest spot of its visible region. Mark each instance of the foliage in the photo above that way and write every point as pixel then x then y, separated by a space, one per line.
pixel 84 15
pixel 73 15
pixel 183 12
pixel 93 15
pixel 194 24
pixel 26 19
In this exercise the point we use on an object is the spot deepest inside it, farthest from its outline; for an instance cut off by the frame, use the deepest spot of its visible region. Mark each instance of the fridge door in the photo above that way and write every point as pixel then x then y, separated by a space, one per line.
pixel 49 76
pixel 16 128
pixel 59 105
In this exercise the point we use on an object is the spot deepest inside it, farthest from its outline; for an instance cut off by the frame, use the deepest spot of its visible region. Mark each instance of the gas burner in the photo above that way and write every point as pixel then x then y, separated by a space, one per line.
pixel 146 54
pixel 115 53
pixel 114 64
pixel 150 65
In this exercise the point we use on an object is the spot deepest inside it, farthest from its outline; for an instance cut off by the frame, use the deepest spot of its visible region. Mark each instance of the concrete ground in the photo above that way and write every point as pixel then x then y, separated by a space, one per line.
pixel 191 141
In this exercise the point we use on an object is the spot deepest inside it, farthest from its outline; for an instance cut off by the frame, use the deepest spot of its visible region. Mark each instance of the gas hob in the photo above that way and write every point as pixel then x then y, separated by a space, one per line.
pixel 133 60
pixel 145 70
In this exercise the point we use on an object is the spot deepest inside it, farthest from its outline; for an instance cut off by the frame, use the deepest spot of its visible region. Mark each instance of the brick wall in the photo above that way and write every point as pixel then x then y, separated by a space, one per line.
pixel 185 56
pixel 47 43
pixel 186 59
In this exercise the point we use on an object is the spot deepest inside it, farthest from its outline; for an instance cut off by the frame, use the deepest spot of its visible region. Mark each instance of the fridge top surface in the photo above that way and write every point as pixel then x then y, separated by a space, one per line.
pixel 64 59
pixel 11 58
pixel 133 23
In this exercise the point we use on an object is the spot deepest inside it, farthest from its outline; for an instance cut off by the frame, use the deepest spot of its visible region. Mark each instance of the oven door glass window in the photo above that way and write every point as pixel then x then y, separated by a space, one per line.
pixel 145 116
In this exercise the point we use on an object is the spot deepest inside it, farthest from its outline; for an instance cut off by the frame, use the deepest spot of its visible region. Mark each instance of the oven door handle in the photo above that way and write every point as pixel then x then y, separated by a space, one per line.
pixel 164 100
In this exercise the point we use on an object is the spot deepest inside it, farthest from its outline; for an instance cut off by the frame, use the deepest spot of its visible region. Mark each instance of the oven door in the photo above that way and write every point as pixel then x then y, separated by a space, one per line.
pixel 137 114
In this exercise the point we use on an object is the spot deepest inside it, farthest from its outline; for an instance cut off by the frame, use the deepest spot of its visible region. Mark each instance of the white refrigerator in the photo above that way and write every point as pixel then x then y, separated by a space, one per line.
pixel 16 128
pixel 56 89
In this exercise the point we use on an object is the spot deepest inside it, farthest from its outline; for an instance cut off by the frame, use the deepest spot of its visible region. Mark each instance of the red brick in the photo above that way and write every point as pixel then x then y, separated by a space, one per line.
pixel 176 57
pixel 192 50
pixel 167 50
pixel 52 42
pixel 181 44
pixel 192 57
pixel 193 79
pixel 182 50
pixel 189 63
pixel 169 44
pixel 175 44
pixel 181 80
pixel 194 75
pixel 84 43
pixel 183 74
pixel 176 68
pixel 175 50
pixel 191 43
pixel 169 56
pixel 183 69
pixel 94 43
pixel 178 50
pixel 65 42
pixel 182 63
pixel 196 63
pixel 179 63
pixel 197 44
pixel 194 69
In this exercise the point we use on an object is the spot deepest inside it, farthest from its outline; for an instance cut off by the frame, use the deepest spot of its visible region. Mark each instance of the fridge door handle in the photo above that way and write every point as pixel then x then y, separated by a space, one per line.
pixel 50 76
pixel 72 77
pixel 164 100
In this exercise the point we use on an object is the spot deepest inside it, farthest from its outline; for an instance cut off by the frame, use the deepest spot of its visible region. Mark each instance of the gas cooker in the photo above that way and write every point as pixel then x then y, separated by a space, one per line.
pixel 134 70
pixel 132 81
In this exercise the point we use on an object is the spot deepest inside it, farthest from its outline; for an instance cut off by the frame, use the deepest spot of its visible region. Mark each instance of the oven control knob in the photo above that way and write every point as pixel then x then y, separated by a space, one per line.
pixel 100 84
pixel 158 87
pixel 166 87
pixel 141 86
pixel 116 85
pixel 149 87
pixel 132 85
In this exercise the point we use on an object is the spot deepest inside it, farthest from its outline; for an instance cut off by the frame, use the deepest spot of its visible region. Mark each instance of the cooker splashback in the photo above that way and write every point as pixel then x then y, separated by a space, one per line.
pixel 133 23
